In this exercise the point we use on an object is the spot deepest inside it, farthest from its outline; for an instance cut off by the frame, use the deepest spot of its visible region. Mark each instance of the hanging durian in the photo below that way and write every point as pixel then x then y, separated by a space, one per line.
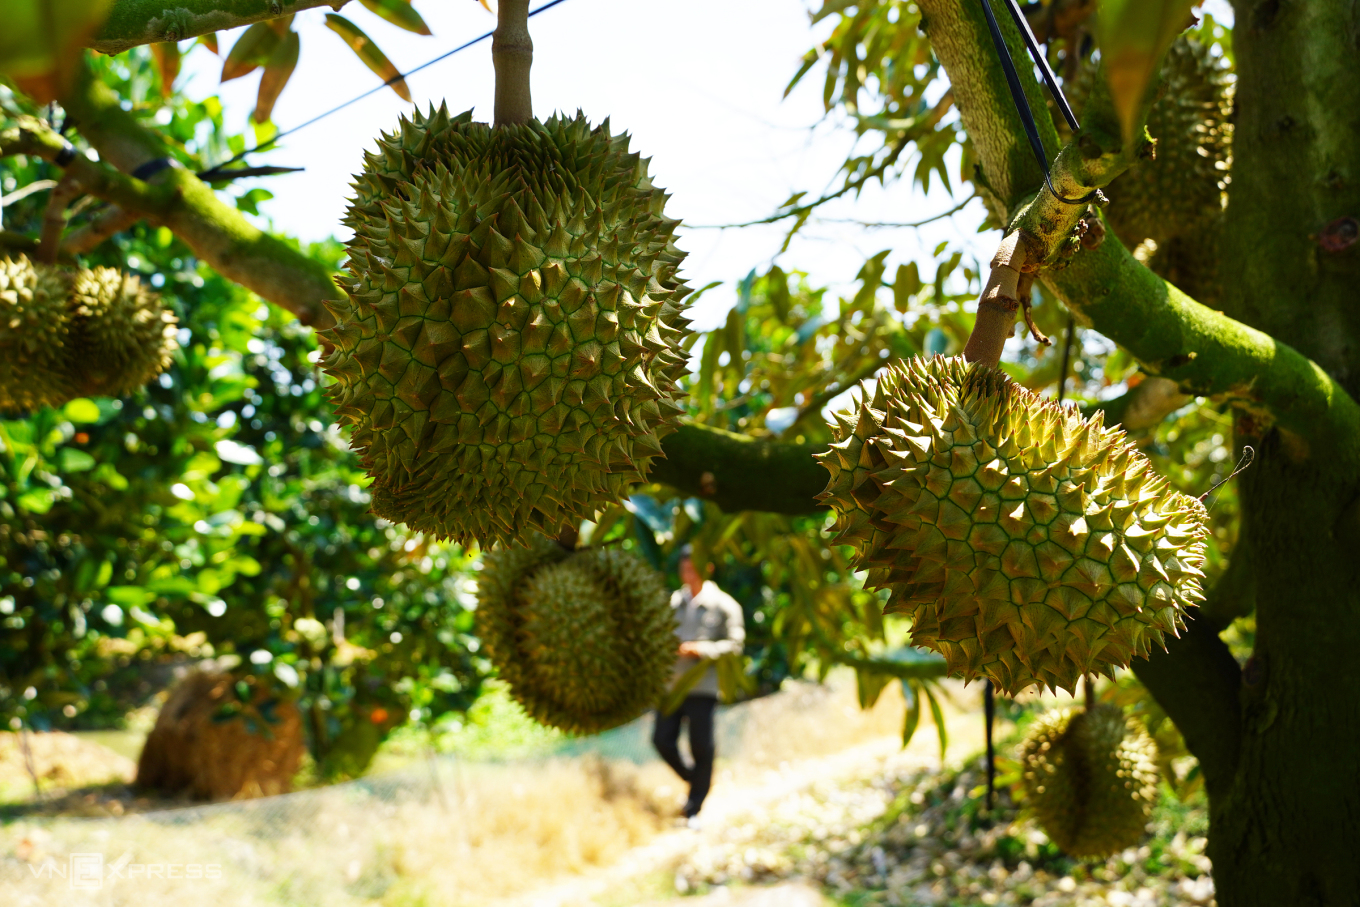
pixel 1181 190
pixel 508 353
pixel 1027 544
pixel 585 640
pixel 34 328
pixel 121 334
pixel 1090 777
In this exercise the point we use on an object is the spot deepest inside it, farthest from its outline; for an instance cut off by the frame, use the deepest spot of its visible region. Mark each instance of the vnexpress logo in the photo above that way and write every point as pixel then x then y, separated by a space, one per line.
pixel 85 871
pixel 88 871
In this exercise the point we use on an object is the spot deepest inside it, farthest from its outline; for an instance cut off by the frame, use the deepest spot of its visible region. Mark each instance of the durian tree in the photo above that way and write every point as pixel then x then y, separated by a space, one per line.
pixel 1275 737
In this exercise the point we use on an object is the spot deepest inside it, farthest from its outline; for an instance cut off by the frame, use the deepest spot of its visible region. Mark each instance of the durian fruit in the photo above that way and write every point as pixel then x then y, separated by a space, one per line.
pixel 585 640
pixel 1175 193
pixel 508 353
pixel 1090 778
pixel 34 324
pixel 1027 544
pixel 121 334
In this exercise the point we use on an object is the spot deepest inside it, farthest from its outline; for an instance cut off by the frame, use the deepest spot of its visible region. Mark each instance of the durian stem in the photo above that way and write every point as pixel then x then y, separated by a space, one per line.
pixel 66 191
pixel 568 538
pixel 512 52
pixel 1089 688
pixel 999 302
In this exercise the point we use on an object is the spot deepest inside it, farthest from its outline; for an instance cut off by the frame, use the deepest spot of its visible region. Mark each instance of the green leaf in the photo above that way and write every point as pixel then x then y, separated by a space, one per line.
pixel 1134 35
pixel 870 685
pixel 81 410
pixel 71 459
pixel 250 201
pixel 686 682
pixel 913 716
pixel 938 717
pixel 369 53
pixel 41 40
pixel 250 51
pixel 907 285
pixel 37 500
pixel 400 13
pixel 276 74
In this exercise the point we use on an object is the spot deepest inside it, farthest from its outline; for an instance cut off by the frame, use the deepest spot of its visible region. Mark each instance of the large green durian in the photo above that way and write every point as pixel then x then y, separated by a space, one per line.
pixel 585 640
pixel 1027 544
pixel 508 353
pixel 34 324
pixel 1090 778
pixel 121 334
pixel 1181 190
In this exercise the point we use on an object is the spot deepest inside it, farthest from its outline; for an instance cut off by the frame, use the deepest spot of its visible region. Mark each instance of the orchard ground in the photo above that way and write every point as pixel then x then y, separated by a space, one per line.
pixel 816 802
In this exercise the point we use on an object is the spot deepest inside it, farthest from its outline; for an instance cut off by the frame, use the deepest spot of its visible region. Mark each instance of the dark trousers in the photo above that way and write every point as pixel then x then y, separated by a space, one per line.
pixel 698 710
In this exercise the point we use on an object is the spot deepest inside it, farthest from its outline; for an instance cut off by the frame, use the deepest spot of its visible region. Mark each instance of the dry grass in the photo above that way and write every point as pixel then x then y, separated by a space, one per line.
pixel 483 832
pixel 61 761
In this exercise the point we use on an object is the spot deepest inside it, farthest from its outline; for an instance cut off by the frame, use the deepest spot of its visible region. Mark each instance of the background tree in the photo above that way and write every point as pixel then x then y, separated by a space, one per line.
pixel 1272 737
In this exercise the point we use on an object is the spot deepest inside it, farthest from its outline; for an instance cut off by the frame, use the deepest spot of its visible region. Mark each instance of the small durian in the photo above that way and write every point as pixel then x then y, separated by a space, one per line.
pixel 122 336
pixel 508 351
pixel 584 640
pixel 1090 777
pixel 1181 189
pixel 1027 544
pixel 34 335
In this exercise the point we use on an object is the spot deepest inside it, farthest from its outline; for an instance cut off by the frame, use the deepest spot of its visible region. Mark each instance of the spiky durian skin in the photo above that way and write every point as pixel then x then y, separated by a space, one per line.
pixel 1027 544
pixel 34 329
pixel 508 353
pixel 1090 778
pixel 584 640
pixel 122 336
pixel 1182 188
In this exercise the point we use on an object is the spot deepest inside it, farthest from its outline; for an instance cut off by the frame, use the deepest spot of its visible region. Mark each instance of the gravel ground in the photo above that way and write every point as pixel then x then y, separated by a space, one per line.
pixel 913 837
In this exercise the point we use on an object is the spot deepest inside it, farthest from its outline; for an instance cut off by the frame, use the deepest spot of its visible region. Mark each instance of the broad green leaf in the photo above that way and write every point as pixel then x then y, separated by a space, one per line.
pixel 250 51
pixel 907 285
pixel 276 74
pixel 167 57
pixel 41 40
pixel 209 41
pixel 37 500
pixel 938 717
pixel 71 459
pixel 369 53
pixel 400 13
pixel 680 689
pixel 81 410
pixel 1134 35
pixel 913 716
pixel 869 685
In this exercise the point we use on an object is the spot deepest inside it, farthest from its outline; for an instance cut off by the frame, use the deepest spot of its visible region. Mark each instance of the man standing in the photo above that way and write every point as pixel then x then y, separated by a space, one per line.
pixel 708 624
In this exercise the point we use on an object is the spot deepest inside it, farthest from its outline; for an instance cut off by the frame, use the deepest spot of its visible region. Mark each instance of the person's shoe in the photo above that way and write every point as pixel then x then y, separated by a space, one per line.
pixel 693 823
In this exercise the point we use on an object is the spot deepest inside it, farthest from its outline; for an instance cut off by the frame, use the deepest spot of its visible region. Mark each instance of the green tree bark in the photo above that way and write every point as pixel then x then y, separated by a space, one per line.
pixel 1277 740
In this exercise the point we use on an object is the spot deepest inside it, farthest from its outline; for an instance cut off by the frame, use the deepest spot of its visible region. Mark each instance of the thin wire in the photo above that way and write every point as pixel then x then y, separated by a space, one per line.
pixel 1248 457
pixel 1022 107
pixel 392 81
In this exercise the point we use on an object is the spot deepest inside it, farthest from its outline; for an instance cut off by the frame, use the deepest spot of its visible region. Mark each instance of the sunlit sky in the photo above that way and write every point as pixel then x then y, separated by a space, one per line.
pixel 699 84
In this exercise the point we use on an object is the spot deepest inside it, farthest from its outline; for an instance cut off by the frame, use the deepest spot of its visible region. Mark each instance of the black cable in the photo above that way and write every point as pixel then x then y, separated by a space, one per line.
pixel 210 174
pixel 1022 107
pixel 1037 53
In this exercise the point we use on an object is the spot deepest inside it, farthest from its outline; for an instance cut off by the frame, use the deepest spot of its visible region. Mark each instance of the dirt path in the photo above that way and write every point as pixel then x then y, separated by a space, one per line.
pixel 743 794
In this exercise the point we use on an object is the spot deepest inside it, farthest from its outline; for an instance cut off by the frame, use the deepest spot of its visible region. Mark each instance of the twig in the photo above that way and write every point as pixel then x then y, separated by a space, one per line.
pixel 876 224
pixel 110 221
pixel 25 191
pixel 54 219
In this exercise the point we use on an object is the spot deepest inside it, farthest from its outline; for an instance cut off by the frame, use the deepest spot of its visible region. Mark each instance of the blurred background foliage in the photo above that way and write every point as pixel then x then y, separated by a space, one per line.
pixel 219 514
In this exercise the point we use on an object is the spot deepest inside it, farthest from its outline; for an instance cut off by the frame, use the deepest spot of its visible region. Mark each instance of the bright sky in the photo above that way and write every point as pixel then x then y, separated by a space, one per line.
pixel 698 83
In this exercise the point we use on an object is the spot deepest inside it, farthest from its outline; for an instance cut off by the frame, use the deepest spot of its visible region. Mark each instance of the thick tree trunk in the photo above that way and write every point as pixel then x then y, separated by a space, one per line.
pixel 1286 824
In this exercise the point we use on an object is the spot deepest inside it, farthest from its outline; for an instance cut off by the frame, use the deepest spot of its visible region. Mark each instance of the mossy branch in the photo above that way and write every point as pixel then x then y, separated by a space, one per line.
pixel 174 198
pixel 134 22
pixel 738 472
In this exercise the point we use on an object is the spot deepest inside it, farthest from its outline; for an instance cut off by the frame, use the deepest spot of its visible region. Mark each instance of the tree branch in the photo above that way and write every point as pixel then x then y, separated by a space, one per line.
pixel 738 472
pixel 1197 681
pixel 174 198
pixel 134 22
